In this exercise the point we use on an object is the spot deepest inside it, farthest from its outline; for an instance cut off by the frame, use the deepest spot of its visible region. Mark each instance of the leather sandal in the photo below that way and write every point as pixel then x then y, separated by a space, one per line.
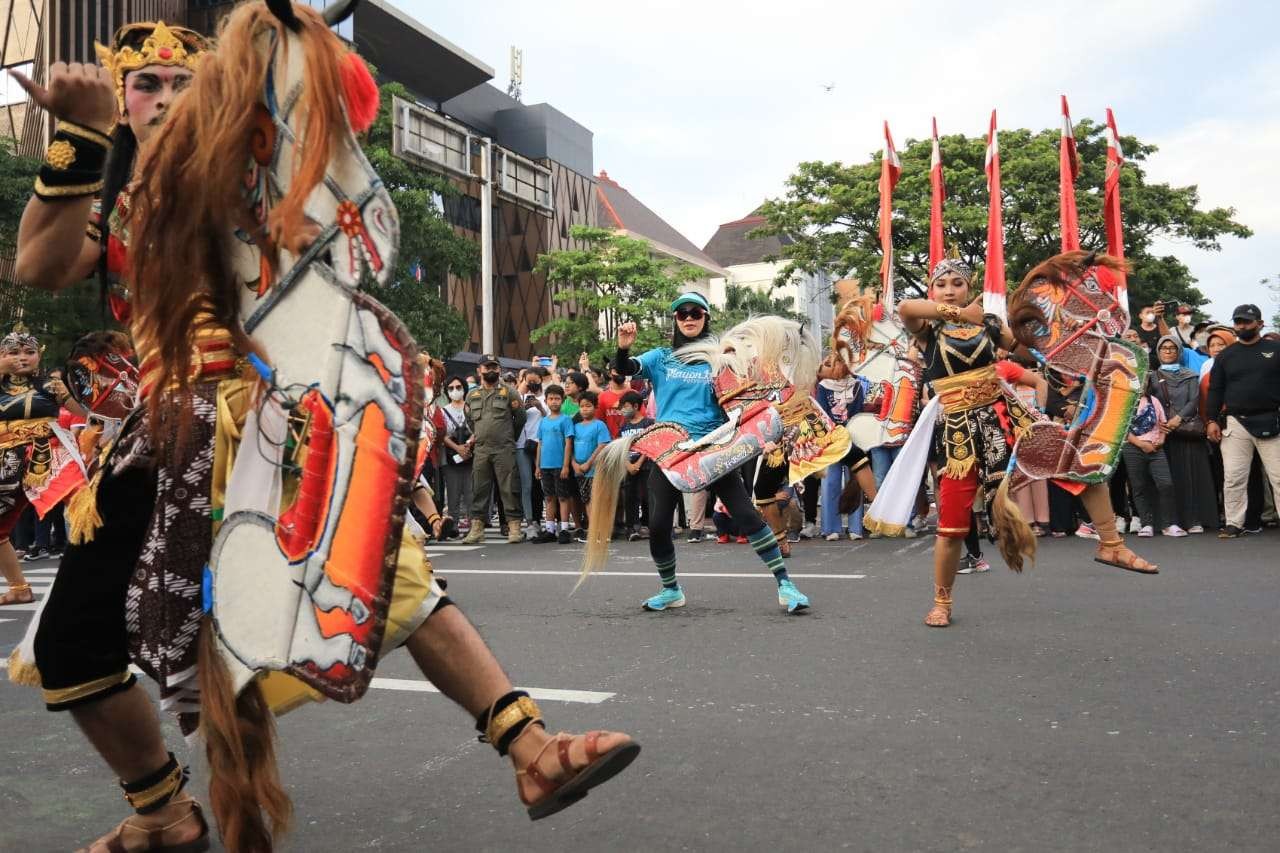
pixel 114 841
pixel 1116 554
pixel 12 596
pixel 940 615
pixel 600 768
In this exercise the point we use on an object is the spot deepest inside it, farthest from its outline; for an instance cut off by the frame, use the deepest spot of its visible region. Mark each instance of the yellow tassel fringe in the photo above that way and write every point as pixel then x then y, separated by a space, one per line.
pixel 83 519
pixel 23 673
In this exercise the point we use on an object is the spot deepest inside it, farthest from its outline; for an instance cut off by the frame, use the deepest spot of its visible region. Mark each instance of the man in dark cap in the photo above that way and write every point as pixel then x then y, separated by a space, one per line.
pixel 495 414
pixel 1244 385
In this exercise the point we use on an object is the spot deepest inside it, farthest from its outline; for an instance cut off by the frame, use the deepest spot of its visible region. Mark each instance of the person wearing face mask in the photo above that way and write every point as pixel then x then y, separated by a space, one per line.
pixel 1152 327
pixel 496 415
pixel 1184 330
pixel 611 402
pixel 458 445
pixel 1244 385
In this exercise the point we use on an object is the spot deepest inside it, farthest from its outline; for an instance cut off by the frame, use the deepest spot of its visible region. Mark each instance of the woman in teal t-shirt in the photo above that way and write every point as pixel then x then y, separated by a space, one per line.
pixel 684 394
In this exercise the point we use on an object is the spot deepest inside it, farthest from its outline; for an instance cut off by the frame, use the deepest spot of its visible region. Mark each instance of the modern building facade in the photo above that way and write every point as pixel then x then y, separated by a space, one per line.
pixel 538 160
pixel 745 259
pixel 523 171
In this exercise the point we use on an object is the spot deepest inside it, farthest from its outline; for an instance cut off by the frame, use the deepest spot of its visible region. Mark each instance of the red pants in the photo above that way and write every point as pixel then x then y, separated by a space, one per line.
pixel 955 504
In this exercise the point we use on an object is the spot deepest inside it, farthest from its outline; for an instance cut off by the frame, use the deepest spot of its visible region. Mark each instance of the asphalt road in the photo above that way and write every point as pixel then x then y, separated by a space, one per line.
pixel 1075 707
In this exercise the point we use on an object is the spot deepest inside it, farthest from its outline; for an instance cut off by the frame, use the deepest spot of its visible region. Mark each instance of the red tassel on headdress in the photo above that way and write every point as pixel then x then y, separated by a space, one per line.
pixel 361 93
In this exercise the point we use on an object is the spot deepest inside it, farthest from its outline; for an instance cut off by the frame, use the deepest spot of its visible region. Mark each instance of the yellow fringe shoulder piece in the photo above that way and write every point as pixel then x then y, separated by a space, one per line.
pixel 35 479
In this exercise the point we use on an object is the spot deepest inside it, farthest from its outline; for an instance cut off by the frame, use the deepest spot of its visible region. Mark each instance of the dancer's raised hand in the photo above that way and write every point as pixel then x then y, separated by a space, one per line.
pixel 79 92
pixel 626 335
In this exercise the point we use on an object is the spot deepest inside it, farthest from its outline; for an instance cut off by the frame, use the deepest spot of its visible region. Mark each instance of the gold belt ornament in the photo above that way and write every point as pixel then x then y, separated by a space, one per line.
pixel 969 390
pixel 13 433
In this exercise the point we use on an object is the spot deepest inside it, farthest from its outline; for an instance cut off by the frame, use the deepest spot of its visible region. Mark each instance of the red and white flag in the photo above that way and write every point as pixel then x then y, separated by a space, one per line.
pixel 938 193
pixel 890 170
pixel 1068 171
pixel 1112 222
pixel 993 285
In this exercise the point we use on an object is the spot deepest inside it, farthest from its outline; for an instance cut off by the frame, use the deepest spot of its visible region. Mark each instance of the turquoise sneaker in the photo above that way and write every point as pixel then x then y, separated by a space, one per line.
pixel 792 598
pixel 666 598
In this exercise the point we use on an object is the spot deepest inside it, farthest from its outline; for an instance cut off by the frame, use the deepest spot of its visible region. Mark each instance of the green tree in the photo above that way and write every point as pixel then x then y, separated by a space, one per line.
pixel 426 240
pixel 613 279
pixel 831 212
pixel 57 319
pixel 741 302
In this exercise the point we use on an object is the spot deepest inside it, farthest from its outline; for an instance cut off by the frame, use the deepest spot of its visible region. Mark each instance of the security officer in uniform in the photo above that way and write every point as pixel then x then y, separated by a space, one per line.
pixel 495 414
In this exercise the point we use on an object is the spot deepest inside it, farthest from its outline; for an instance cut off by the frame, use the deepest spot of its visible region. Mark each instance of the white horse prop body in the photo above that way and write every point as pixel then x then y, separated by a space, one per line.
pixel 304 586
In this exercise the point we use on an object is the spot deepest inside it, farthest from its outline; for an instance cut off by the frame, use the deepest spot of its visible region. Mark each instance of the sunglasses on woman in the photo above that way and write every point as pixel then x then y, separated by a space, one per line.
pixel 690 313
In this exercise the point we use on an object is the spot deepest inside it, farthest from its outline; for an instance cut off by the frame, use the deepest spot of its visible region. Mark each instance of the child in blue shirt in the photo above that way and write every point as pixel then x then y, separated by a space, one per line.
pixel 589 437
pixel 555 448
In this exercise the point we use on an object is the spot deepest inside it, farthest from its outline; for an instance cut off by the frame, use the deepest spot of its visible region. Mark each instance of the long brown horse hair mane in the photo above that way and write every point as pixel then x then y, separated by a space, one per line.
pixel 189 195
pixel 1060 270
pixel 188 200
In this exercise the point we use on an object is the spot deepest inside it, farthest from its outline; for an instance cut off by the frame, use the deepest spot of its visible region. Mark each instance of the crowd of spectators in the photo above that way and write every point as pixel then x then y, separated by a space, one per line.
pixel 1202 455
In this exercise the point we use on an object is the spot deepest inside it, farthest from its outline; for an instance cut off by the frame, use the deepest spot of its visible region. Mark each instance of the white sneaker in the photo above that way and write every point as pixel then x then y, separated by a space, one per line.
pixel 1135 524
pixel 1195 528
pixel 1173 530
pixel 833 537
pixel 854 537
pixel 809 531
pixel 1147 532
pixel 1120 522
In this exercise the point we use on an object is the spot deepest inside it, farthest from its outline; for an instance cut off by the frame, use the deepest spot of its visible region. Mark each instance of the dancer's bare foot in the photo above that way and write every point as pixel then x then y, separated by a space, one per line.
pixel 555 771
pixel 940 615
pixel 179 827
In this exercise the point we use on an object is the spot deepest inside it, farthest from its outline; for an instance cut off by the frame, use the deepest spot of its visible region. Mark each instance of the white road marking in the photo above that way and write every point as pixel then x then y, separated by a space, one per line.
pixel 548 694
pixel 760 574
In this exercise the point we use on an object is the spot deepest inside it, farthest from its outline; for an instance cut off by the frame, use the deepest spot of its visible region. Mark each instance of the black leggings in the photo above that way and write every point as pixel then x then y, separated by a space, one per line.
pixel 664 497
pixel 769 480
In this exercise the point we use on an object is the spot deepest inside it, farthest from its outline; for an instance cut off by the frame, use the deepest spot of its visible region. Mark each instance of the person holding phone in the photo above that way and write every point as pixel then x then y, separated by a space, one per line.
pixel 1152 326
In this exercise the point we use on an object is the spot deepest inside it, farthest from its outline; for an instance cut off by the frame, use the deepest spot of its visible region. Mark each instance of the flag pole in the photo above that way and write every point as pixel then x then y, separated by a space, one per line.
pixel 1068 171
pixel 1112 222
pixel 890 169
pixel 938 192
pixel 993 283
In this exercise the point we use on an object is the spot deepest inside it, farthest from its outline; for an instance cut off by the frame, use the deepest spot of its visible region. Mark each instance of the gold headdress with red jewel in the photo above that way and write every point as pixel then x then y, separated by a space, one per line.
pixel 147 43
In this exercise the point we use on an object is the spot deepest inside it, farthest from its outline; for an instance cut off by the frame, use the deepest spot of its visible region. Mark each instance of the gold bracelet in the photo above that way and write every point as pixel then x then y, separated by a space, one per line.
pixel 950 313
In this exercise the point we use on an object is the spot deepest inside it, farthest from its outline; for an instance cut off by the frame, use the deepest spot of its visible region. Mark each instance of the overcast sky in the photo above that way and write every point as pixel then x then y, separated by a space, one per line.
pixel 702 108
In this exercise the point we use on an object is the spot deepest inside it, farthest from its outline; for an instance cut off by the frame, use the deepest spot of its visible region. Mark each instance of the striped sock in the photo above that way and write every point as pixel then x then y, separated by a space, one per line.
pixel 766 546
pixel 667 572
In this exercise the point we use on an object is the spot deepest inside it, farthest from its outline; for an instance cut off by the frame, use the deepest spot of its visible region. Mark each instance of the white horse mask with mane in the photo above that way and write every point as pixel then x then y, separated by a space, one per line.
pixel 305 588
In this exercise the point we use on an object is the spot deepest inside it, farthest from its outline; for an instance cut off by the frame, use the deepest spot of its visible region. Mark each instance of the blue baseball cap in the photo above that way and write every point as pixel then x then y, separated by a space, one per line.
pixel 691 298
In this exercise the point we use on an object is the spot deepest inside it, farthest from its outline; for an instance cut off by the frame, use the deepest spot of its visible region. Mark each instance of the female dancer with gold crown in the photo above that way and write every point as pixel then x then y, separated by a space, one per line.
pixel 982 421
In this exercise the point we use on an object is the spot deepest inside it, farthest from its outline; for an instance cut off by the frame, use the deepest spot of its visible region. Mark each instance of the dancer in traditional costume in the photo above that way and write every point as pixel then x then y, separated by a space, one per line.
pixel 27 413
pixel 982 420
pixel 694 443
pixel 135 589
